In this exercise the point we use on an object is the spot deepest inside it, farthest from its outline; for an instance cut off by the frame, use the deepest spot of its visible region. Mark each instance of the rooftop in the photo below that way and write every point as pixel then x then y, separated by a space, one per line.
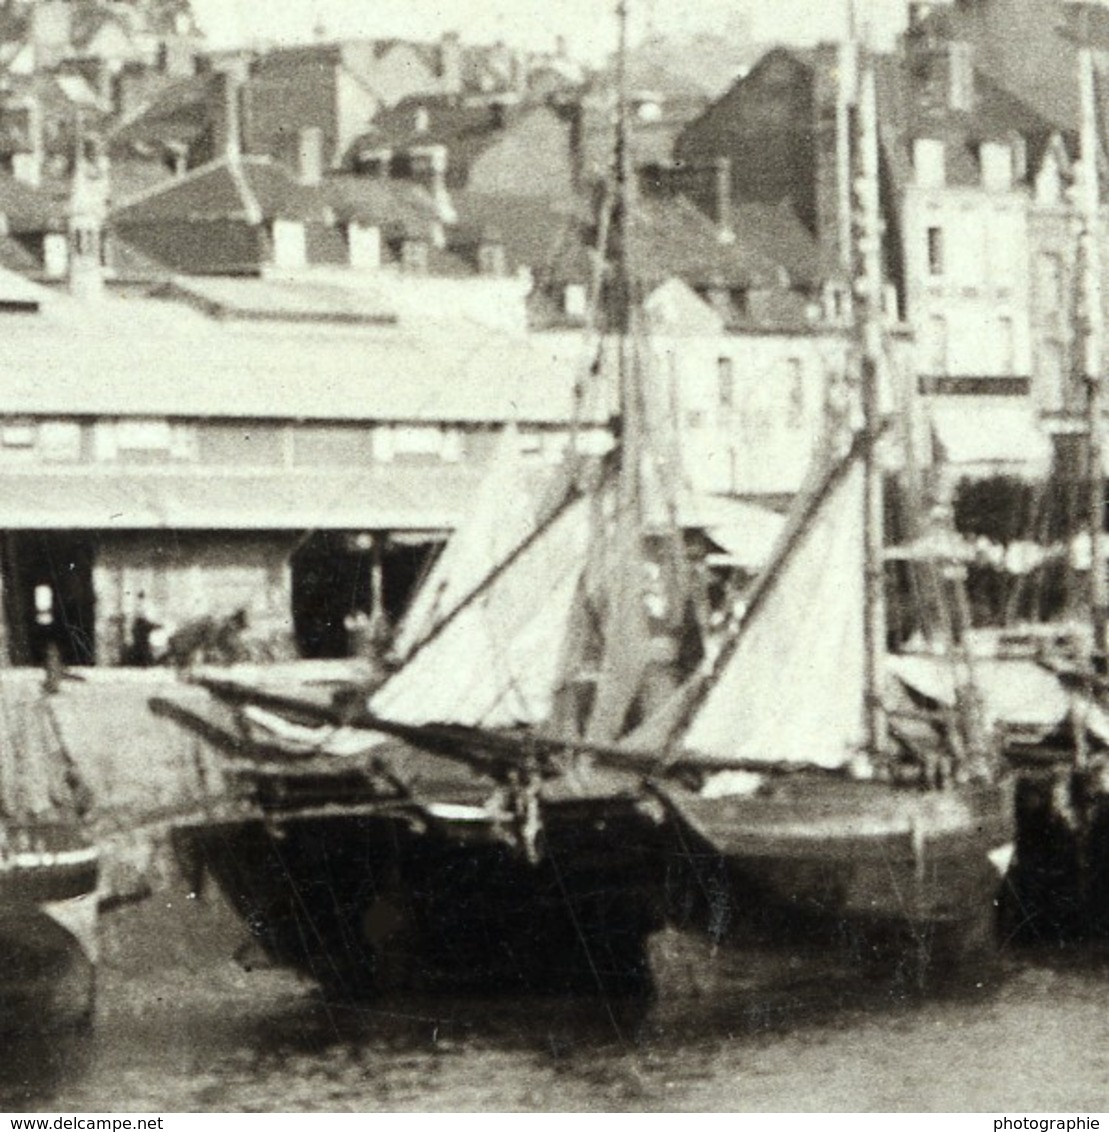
pixel 184 364
pixel 249 188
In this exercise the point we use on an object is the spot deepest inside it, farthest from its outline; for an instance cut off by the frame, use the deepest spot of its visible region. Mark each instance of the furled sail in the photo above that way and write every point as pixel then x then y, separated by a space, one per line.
pixel 494 662
pixel 791 689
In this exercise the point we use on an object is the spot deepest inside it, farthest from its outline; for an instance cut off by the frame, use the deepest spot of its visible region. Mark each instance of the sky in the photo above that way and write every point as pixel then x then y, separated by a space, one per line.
pixel 587 25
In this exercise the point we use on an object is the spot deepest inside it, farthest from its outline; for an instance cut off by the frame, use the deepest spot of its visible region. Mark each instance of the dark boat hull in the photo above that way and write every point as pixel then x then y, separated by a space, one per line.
pixel 365 904
pixel 48 922
pixel 858 861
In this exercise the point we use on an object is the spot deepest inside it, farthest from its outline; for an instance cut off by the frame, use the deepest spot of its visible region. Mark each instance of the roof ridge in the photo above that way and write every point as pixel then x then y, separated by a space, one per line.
pixel 171 184
pixel 251 206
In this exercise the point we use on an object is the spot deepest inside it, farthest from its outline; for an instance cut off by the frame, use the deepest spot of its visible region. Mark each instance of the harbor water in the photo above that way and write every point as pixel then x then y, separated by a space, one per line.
pixel 186 1021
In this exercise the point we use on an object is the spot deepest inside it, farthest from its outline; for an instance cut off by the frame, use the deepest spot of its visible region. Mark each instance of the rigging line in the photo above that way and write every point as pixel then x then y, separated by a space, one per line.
pixel 488 581
pixel 500 654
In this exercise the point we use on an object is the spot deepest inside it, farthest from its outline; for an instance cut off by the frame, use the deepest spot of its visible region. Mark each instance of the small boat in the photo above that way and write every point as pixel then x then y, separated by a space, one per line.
pixel 49 869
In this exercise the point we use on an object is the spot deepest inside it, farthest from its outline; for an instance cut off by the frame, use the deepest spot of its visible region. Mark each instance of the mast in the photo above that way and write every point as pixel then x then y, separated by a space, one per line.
pixel 846 86
pixel 622 287
pixel 869 323
pixel 1093 361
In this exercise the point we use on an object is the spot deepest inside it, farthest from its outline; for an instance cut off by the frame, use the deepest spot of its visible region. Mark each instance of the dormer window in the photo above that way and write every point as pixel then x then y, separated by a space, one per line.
pixel 996 160
pixel 1049 185
pixel 928 163
pixel 574 300
pixel 289 244
pixel 364 246
pixel 55 255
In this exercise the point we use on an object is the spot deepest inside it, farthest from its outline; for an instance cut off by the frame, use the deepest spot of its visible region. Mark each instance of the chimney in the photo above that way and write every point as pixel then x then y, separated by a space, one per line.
pixel 723 170
pixel 226 106
pixel 310 155
pixel 85 215
pixel 450 63
pixel 422 120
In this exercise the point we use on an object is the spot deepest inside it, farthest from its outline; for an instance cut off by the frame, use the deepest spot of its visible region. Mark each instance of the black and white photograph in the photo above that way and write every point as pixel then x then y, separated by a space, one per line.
pixel 554 557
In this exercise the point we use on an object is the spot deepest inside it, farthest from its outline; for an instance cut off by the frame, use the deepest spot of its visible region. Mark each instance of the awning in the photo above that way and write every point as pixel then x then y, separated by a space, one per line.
pixel 1015 691
pixel 990 436
pixel 382 498
pixel 745 532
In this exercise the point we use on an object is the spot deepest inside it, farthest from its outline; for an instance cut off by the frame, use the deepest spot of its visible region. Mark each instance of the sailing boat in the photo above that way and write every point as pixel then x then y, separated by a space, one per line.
pixel 795 777
pixel 455 840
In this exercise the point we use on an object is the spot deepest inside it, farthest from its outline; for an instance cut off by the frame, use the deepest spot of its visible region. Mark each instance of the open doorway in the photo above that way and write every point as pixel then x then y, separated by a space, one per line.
pixel 337 578
pixel 48 596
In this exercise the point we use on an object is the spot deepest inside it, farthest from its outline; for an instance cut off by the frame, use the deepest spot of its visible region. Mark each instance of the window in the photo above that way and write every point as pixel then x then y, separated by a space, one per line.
pixel 143 435
pixel 17 434
pixel 725 384
pixel 795 379
pixel 60 441
pixel 531 443
pixel 417 442
pixel 935 251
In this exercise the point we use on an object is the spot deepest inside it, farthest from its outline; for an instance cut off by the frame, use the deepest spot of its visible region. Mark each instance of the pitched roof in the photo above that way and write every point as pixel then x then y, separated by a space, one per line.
pixel 997 115
pixel 466 128
pixel 544 235
pixel 177 113
pixel 398 208
pixel 672 237
pixel 183 364
pixel 775 232
pixel 29 210
pixel 253 189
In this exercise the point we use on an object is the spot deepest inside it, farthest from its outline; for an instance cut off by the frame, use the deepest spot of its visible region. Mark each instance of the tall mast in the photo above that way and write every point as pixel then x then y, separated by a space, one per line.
pixel 846 89
pixel 871 292
pixel 1093 361
pixel 622 286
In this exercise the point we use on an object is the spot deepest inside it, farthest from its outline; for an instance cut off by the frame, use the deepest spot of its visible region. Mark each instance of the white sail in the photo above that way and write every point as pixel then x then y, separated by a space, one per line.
pixel 505 511
pixel 495 661
pixel 792 689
